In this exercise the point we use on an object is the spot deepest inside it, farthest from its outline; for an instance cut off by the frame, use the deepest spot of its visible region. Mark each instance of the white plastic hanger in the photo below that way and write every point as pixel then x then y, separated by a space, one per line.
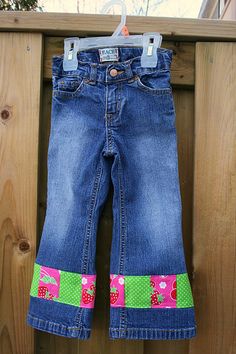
pixel 150 41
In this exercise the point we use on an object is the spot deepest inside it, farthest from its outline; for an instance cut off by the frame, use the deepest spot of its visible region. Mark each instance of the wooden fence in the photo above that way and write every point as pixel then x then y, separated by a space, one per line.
pixel 204 80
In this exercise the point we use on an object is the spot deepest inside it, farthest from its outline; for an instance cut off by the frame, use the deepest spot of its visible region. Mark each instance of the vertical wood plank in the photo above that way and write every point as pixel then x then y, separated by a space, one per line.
pixel 20 78
pixel 184 106
pixel 215 199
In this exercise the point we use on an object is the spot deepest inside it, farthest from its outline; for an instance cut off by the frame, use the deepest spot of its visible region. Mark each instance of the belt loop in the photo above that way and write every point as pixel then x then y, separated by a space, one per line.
pixel 93 73
pixel 130 71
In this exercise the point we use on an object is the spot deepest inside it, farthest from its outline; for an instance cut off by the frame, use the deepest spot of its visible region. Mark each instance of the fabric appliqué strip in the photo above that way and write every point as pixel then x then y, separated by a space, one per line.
pixel 62 286
pixel 151 291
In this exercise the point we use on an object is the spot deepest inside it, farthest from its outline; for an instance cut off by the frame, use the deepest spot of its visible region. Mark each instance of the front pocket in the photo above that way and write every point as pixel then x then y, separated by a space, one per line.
pixel 157 82
pixel 67 86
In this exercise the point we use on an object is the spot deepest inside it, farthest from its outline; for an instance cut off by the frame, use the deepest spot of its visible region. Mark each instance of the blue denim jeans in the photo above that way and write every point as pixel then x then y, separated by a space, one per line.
pixel 113 122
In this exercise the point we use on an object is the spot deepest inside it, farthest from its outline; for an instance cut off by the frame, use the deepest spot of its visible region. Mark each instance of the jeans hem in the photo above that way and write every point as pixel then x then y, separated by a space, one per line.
pixel 58 328
pixel 152 333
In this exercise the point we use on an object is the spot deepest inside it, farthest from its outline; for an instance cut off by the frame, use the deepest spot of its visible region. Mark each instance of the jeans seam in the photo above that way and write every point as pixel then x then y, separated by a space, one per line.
pixel 92 205
pixel 108 119
pixel 153 333
pixel 122 220
pixel 151 329
pixel 89 226
pixel 59 324
pixel 123 313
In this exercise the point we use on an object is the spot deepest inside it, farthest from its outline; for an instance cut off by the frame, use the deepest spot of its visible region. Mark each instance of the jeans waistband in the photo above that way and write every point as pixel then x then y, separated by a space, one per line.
pixel 129 64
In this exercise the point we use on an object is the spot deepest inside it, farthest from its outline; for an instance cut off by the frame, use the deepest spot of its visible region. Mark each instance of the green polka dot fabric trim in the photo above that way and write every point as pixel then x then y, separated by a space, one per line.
pixel 62 286
pixel 34 285
pixel 150 291
pixel 70 288
pixel 137 291
pixel 184 293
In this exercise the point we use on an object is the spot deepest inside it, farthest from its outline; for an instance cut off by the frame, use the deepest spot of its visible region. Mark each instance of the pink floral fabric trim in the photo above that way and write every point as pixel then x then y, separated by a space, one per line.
pixel 164 291
pixel 88 291
pixel 49 283
pixel 151 291
pixel 117 292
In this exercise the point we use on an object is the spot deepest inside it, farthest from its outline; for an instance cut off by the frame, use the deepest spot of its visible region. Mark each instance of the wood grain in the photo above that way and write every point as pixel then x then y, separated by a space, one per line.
pixel 182 68
pixel 20 81
pixel 86 24
pixel 215 199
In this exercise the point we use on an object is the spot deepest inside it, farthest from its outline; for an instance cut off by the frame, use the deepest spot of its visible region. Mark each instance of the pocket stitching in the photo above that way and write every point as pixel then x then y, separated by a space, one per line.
pixel 61 93
pixel 157 91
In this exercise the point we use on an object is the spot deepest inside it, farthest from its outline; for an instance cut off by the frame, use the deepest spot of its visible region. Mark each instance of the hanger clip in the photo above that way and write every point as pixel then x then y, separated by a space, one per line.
pixel 71 47
pixel 151 41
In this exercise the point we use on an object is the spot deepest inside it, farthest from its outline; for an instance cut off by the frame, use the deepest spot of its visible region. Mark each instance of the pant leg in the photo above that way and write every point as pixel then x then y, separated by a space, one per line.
pixel 63 287
pixel 150 296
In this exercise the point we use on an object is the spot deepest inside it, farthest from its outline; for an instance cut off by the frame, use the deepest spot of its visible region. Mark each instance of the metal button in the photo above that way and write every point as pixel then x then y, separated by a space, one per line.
pixel 113 72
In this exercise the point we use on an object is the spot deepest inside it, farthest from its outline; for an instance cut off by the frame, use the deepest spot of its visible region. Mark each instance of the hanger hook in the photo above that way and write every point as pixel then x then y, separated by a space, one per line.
pixel 122 23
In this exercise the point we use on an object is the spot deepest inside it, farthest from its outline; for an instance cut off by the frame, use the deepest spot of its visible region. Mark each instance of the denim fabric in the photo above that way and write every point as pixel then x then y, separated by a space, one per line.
pixel 113 122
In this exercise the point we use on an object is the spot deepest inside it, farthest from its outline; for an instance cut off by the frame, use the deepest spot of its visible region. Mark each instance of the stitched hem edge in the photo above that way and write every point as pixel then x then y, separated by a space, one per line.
pixel 152 333
pixel 58 328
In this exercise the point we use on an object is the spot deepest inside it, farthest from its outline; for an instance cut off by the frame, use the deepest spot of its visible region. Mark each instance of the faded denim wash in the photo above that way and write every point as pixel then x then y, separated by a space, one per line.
pixel 113 122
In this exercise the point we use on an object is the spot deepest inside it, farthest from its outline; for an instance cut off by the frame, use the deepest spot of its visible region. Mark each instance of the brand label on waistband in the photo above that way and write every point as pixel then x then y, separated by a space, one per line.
pixel 108 54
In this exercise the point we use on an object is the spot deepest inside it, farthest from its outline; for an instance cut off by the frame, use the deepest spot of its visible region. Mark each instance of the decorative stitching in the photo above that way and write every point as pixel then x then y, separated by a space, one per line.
pixel 123 228
pixel 84 261
pixel 58 324
pixel 122 219
pixel 89 223
pixel 152 333
pixel 151 329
